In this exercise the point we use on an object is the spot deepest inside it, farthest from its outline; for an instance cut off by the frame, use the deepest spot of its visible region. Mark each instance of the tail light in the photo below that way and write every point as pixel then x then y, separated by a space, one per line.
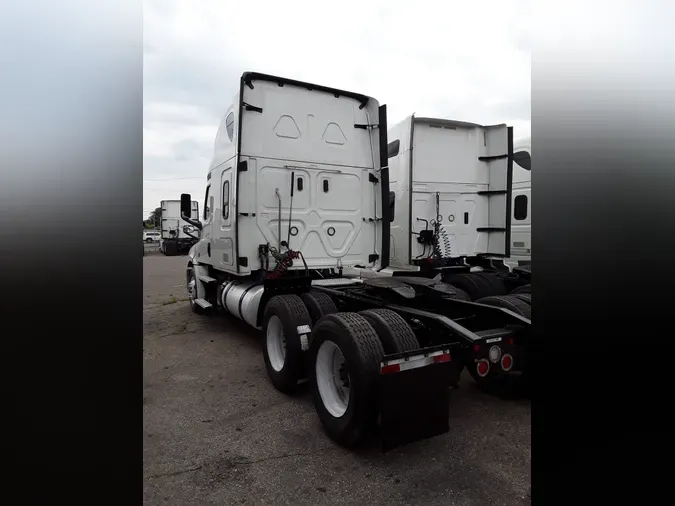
pixel 507 362
pixel 483 368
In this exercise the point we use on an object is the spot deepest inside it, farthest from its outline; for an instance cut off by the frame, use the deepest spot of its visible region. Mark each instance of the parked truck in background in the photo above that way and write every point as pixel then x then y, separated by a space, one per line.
pixel 177 235
pixel 450 213
pixel 425 163
pixel 298 191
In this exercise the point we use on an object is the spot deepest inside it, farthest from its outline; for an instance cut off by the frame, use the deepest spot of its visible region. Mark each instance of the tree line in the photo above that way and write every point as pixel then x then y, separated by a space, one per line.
pixel 154 220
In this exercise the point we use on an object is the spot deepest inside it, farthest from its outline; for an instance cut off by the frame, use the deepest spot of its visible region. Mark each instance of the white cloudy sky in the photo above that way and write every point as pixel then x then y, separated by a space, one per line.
pixel 455 59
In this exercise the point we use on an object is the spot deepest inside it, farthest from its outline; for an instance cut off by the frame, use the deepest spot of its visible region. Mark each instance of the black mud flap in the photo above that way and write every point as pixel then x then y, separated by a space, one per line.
pixel 414 404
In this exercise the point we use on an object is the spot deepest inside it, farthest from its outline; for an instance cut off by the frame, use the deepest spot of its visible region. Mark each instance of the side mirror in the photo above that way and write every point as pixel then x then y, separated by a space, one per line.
pixel 186 205
pixel 392 205
pixel 186 210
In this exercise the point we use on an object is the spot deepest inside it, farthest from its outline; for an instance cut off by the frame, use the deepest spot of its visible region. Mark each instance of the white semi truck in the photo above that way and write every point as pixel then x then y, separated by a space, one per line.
pixel 434 186
pixel 177 235
pixel 450 214
pixel 298 190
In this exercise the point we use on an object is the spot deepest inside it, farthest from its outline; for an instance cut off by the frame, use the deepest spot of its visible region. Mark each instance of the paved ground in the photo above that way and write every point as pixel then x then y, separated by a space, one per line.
pixel 217 432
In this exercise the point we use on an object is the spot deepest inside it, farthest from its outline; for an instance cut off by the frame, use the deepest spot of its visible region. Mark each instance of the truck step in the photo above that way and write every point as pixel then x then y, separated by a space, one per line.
pixel 205 304
pixel 207 279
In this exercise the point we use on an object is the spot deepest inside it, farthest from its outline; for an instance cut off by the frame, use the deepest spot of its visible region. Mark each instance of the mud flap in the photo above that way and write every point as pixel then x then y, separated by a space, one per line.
pixel 414 401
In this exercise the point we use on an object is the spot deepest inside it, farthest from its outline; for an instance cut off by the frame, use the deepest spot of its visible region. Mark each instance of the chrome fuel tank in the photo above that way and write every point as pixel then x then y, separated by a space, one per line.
pixel 242 299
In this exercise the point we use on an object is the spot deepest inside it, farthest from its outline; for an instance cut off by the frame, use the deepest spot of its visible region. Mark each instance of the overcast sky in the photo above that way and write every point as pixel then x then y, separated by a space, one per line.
pixel 452 59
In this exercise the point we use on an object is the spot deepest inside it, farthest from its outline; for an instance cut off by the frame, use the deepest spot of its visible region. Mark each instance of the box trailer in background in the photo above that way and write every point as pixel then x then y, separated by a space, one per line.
pixel 177 235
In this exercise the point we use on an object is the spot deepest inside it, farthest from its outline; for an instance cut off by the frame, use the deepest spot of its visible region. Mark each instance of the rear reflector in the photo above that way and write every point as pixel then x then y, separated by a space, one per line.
pixel 507 362
pixel 388 369
pixel 509 341
pixel 415 361
pixel 483 368
pixel 442 358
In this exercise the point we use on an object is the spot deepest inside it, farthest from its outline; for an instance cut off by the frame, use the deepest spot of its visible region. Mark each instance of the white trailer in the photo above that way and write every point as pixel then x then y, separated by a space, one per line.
pixel 295 194
pixel 177 235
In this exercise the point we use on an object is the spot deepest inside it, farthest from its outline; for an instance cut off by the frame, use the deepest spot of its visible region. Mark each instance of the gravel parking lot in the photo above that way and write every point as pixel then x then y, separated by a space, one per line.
pixel 215 431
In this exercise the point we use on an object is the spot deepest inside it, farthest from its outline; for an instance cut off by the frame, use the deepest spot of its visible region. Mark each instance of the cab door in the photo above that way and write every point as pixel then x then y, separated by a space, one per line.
pixel 223 238
pixel 204 245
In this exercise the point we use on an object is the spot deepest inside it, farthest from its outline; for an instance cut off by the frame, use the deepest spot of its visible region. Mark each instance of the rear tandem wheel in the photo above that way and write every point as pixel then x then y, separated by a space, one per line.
pixel 344 358
pixel 318 304
pixel 522 289
pixel 476 285
pixel 511 302
pixel 285 360
pixel 394 332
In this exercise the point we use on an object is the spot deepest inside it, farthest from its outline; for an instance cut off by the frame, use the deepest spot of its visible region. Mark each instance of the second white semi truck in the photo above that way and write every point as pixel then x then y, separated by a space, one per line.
pixel 426 165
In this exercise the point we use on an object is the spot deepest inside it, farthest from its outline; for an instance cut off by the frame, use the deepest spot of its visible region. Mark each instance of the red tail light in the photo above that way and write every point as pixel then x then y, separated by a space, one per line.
pixel 483 368
pixel 507 362
pixel 476 348
pixel 509 341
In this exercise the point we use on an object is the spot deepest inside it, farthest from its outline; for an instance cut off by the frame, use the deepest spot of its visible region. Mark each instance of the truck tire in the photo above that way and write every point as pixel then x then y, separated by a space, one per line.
pixel 475 286
pixel 496 285
pixel 193 292
pixel 394 332
pixel 344 359
pixel 318 304
pixel 524 297
pixel 522 289
pixel 510 302
pixel 284 358
pixel 461 295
